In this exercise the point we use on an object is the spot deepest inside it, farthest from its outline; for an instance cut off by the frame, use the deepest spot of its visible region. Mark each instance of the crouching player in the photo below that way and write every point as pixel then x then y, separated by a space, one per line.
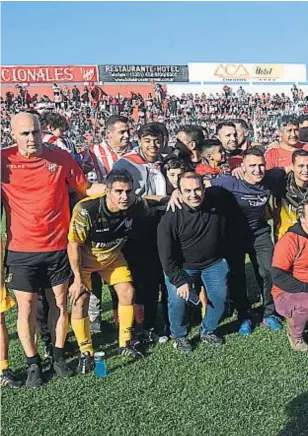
pixel 290 278
pixel 98 231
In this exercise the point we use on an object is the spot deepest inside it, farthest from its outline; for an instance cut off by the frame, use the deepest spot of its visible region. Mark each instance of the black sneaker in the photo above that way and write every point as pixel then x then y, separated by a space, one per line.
pixel 7 378
pixel 48 351
pixel 183 344
pixel 211 339
pixel 131 350
pixel 95 326
pixel 86 363
pixel 61 368
pixel 34 377
pixel 151 337
pixel 167 331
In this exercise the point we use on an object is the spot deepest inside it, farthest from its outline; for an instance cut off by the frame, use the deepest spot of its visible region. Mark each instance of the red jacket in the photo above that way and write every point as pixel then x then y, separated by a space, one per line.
pixel 205 169
pixel 290 262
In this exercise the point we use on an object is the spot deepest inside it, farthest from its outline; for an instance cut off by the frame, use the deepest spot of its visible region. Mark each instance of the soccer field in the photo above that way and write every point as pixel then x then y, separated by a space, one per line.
pixel 251 386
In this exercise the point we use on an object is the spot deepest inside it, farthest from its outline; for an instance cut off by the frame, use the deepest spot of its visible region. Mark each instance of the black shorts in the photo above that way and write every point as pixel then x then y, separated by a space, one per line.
pixel 31 271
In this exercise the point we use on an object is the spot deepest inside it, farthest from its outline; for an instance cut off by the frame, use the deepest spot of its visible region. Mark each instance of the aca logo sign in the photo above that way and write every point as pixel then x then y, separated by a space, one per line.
pixel 232 71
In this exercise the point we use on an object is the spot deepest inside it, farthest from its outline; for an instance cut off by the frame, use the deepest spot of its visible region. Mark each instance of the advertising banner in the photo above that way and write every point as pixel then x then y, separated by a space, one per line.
pixel 143 73
pixel 49 74
pixel 210 72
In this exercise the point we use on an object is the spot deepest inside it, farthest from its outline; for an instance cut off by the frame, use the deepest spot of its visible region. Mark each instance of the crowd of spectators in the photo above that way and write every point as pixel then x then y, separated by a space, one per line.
pixel 87 110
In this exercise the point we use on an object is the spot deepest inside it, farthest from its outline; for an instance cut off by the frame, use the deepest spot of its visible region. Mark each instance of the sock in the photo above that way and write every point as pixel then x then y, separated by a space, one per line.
pixel 81 328
pixel 126 320
pixel 34 360
pixel 4 364
pixel 57 353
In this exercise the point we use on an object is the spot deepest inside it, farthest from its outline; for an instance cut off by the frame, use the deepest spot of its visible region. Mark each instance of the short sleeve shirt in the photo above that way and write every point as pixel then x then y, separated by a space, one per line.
pixel 35 197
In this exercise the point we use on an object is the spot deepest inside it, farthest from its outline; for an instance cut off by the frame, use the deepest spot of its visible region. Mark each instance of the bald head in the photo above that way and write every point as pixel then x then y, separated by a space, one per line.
pixel 21 118
pixel 26 131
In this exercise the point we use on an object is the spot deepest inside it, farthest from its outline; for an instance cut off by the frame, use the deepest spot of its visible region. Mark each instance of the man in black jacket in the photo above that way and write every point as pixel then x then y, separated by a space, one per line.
pixel 191 244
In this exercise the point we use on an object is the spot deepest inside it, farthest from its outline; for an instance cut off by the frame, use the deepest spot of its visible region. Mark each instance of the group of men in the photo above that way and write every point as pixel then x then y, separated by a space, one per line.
pixel 177 219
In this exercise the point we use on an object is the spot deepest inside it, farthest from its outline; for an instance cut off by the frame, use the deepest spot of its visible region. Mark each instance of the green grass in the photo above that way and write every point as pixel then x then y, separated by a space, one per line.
pixel 255 386
pixel 251 386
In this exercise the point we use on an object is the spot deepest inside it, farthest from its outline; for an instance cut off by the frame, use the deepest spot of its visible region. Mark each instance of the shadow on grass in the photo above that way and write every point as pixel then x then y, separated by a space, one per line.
pixel 13 336
pixel 229 328
pixel 297 411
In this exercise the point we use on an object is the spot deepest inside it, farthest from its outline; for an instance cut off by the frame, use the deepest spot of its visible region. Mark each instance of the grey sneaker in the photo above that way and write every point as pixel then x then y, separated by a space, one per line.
pixel 183 344
pixel 62 369
pixel 297 344
pixel 211 339
pixel 34 377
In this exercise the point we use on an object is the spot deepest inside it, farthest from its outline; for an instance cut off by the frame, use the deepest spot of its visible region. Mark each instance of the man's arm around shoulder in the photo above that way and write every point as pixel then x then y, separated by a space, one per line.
pixel 168 248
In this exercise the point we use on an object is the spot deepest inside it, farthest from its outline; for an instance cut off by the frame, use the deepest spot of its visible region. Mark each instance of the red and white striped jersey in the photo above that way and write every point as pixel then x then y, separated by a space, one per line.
pixel 102 158
pixel 49 138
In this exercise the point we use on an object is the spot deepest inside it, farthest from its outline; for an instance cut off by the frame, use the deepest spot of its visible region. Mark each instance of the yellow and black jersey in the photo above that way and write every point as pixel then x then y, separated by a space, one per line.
pixel 287 196
pixel 102 233
pixel 284 216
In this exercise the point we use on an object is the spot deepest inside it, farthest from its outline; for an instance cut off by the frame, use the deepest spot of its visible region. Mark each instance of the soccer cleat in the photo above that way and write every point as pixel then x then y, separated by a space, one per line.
pixel 151 337
pixel 86 363
pixel 245 328
pixel 131 350
pixel 211 339
pixel 95 326
pixel 273 322
pixel 34 377
pixel 61 368
pixel 7 378
pixel 183 344
pixel 297 344
pixel 48 351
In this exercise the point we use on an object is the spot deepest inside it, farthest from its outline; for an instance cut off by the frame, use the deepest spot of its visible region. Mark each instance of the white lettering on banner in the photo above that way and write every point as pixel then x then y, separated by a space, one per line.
pixel 41 74
pixel 58 73
pixel 141 68
pixel 68 74
pixel 32 75
pixel 22 76
pixel 47 74
pixel 3 72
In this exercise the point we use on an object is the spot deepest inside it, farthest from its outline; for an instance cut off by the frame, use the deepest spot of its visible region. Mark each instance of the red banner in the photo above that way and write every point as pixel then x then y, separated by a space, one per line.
pixel 49 74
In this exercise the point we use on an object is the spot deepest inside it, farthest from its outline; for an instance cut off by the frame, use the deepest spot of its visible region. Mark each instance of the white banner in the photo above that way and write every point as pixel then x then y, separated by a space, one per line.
pixel 215 72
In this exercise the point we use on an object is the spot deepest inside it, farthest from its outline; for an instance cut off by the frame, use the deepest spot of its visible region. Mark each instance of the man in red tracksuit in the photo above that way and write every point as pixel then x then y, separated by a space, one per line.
pixel 290 278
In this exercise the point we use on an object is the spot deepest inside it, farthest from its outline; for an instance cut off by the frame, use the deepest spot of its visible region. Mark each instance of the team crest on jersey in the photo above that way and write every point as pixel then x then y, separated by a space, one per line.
pixel 9 278
pixel 52 167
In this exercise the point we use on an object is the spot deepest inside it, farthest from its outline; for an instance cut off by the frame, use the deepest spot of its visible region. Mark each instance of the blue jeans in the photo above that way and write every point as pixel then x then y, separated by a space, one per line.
pixel 214 279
